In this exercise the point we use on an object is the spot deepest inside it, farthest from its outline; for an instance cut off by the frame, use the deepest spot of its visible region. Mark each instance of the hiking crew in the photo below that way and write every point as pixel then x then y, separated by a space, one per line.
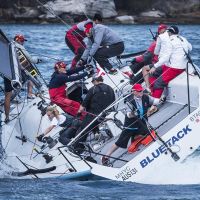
pixel 172 61
pixel 102 44
pixel 143 61
pixel 74 38
pixel 57 87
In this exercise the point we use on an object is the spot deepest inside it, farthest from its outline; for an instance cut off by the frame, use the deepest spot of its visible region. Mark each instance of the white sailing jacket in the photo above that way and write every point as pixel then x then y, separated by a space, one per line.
pixel 180 47
pixel 173 50
pixel 162 49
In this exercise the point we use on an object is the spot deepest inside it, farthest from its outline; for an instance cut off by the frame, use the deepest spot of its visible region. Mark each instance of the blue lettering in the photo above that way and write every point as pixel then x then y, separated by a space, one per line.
pixel 174 140
pixel 149 160
pixel 162 148
pixel 186 130
pixel 179 135
pixel 144 163
pixel 158 153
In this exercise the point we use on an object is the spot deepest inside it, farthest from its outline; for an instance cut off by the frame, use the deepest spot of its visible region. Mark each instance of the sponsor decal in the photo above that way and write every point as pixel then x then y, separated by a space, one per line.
pixel 162 149
pixel 195 117
pixel 126 173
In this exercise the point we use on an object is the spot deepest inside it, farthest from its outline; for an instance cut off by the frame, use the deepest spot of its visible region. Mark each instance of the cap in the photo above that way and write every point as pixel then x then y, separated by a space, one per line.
pixel 98 17
pixel 97 78
pixel 161 26
pixel 60 64
pixel 19 38
pixel 88 26
pixel 173 29
pixel 137 87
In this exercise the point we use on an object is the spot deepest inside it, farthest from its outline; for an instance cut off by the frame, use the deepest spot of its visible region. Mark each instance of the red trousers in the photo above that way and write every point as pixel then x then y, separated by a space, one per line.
pixel 76 45
pixel 57 96
pixel 161 77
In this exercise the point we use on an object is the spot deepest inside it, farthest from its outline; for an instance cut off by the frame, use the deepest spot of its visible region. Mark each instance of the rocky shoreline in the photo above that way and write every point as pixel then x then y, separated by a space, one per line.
pixel 113 11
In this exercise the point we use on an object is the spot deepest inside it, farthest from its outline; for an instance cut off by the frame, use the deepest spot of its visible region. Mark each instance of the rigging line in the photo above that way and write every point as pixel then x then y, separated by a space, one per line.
pixel 50 9
pixel 13 126
pixel 42 55
pixel 36 136
pixel 20 125
pixel 25 165
pixel 83 11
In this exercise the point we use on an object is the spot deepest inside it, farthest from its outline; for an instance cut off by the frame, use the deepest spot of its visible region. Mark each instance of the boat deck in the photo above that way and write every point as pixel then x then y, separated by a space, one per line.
pixel 167 117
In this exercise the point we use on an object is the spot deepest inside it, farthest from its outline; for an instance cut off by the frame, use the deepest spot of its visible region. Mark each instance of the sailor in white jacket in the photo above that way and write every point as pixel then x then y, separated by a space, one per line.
pixel 172 61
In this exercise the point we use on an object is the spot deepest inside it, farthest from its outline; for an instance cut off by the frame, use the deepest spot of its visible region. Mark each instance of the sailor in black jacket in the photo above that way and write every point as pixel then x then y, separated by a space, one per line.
pixel 135 119
pixel 98 98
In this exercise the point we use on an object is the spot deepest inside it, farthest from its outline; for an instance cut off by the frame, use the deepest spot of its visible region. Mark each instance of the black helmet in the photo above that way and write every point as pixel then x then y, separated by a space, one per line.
pixel 173 30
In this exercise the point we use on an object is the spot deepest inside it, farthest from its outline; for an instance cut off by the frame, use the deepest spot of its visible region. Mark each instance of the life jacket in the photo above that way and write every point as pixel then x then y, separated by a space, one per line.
pixel 145 104
pixel 103 96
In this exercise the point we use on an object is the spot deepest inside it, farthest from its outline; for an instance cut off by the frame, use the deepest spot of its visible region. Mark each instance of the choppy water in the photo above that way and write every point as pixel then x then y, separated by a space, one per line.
pixel 48 40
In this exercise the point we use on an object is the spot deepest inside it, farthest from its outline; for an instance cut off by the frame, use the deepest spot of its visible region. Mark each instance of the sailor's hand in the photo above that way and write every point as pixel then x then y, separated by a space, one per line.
pixel 89 60
pixel 81 109
pixel 133 61
pixel 89 69
pixel 152 69
pixel 81 62
pixel 130 115
pixel 40 137
pixel 162 99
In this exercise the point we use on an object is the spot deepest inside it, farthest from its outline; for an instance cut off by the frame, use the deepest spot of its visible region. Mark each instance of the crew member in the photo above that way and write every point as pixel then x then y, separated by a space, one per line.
pixel 135 119
pixel 98 98
pixel 57 87
pixel 19 44
pixel 56 119
pixel 147 58
pixel 170 65
pixel 102 44
pixel 75 36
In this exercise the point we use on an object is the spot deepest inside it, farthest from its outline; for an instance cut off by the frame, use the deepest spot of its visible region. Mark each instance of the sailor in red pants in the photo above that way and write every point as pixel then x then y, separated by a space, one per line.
pixel 57 87
pixel 171 64
pixel 75 36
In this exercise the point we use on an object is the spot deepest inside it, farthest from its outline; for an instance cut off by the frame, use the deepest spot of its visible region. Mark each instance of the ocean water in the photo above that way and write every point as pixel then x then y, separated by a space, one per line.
pixel 47 42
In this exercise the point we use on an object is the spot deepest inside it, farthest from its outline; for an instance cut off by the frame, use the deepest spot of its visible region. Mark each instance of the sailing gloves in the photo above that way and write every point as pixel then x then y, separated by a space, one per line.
pixel 40 137
pixel 133 61
pixel 81 62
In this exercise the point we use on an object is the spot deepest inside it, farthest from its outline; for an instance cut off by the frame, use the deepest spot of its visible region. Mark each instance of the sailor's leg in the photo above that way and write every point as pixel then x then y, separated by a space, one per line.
pixel 7 105
pixel 76 46
pixel 69 106
pixel 30 88
pixel 106 52
pixel 8 94
pixel 145 73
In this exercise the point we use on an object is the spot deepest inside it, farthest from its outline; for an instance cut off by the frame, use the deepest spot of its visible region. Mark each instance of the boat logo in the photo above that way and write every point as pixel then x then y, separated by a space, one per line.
pixel 162 149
